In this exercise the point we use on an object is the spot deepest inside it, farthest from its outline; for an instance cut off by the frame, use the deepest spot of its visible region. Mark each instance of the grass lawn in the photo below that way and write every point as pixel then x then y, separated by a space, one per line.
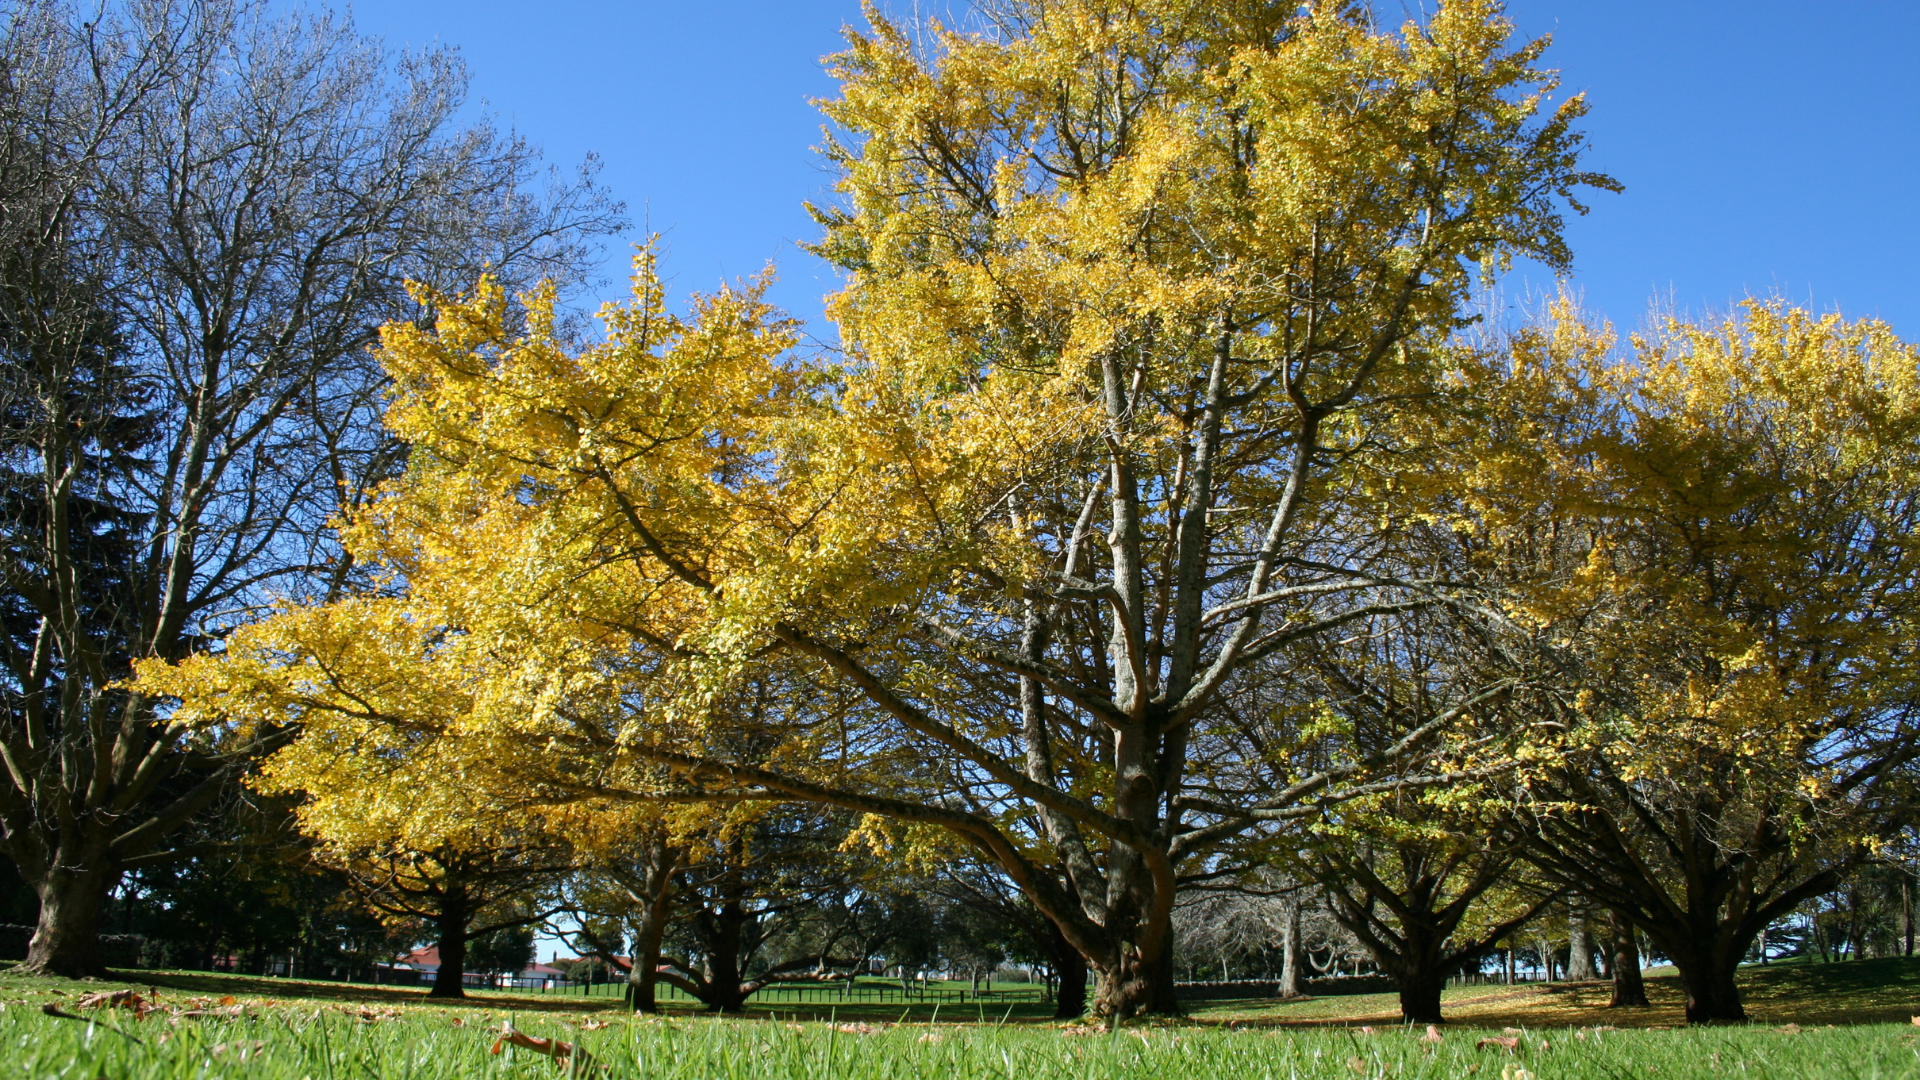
pixel 275 1029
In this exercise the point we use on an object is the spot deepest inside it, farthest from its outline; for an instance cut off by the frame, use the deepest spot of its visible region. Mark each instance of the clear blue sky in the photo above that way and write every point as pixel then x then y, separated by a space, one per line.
pixel 1765 146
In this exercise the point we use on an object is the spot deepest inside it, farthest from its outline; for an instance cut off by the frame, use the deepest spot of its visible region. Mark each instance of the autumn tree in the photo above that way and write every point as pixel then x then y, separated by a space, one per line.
pixel 1133 295
pixel 208 212
pixel 464 889
pixel 1733 503
pixel 1423 875
pixel 1135 299
pixel 621 895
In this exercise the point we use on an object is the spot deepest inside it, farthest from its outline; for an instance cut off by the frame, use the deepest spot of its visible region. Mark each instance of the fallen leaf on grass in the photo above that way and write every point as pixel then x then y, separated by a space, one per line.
pixel 457 1022
pixel 857 1029
pixel 1507 1042
pixel 1081 1029
pixel 553 1048
pixel 53 1010
pixel 934 1037
pixel 1515 1072
pixel 116 999
pixel 1790 1029
pixel 1357 1065
pixel 243 1049
pixel 1433 1034
pixel 1366 1031
pixel 119 999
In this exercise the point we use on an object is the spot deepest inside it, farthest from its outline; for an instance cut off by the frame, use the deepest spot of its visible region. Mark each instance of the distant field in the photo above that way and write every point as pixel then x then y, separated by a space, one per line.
pixel 284 1030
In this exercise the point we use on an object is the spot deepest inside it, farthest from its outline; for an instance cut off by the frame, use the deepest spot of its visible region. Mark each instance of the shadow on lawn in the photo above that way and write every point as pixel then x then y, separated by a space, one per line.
pixel 1808 994
pixel 1839 994
pixel 213 985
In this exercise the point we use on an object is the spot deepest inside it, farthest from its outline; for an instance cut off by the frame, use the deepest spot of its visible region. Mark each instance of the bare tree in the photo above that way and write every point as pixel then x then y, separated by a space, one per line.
pixel 208 213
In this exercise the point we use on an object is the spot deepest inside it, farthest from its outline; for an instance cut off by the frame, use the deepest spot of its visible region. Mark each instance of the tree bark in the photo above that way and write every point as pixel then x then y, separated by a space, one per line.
pixel 66 936
pixel 1579 943
pixel 1629 989
pixel 1707 971
pixel 643 978
pixel 1290 951
pixel 724 992
pixel 1071 969
pixel 1137 986
pixel 451 922
pixel 1712 997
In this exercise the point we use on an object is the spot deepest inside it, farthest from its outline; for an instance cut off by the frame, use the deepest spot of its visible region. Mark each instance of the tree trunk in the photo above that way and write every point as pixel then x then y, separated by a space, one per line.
pixel 1290 951
pixel 1579 943
pixel 1906 910
pixel 644 977
pixel 1420 997
pixel 1070 972
pixel 450 980
pixel 66 939
pixel 725 993
pixel 1136 986
pixel 1712 997
pixel 1629 990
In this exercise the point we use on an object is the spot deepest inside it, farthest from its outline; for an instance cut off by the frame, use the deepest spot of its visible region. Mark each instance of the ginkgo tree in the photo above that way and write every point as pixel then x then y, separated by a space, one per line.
pixel 1138 297
pixel 1729 507
pixel 1135 294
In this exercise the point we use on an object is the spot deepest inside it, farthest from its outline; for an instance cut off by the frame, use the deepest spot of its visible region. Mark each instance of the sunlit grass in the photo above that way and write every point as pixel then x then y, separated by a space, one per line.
pixel 293 1041
pixel 285 1030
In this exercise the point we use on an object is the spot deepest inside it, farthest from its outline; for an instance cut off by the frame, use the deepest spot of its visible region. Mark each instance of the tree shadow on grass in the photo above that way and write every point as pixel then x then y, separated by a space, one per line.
pixel 211 984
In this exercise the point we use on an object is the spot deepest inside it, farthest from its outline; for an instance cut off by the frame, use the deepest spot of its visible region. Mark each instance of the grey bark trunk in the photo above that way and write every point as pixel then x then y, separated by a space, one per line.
pixel 1290 952
pixel 1580 966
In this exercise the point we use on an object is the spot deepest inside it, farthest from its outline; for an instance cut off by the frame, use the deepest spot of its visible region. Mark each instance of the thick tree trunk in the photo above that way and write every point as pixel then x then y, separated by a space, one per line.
pixel 1290 952
pixel 1712 997
pixel 643 979
pixel 1420 997
pixel 1136 986
pixel 450 980
pixel 1419 969
pixel 66 939
pixel 1579 943
pixel 1707 963
pixel 1629 990
pixel 724 992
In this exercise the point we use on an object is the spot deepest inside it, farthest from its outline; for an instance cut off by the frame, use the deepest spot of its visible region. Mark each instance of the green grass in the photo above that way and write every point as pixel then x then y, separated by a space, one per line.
pixel 322 1043
pixel 325 1031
